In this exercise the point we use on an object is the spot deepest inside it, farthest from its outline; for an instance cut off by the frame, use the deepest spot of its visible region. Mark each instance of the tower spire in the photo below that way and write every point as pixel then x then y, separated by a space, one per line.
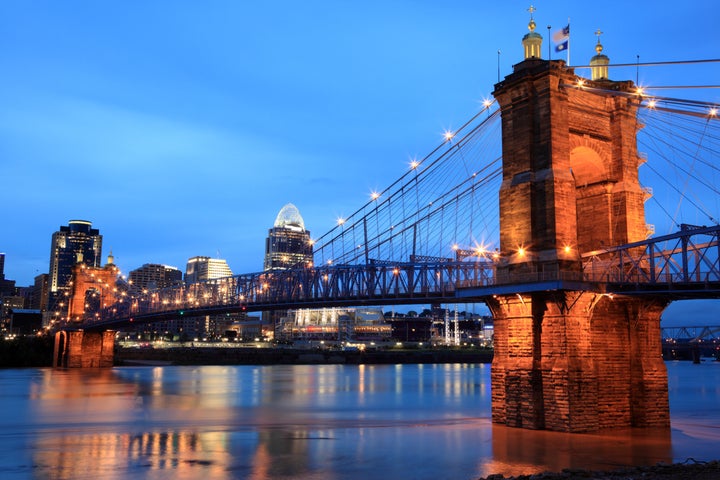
pixel 599 62
pixel 532 41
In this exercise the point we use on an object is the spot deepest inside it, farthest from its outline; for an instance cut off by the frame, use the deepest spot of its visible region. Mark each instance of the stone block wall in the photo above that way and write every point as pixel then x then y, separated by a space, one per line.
pixel 578 362
pixel 80 349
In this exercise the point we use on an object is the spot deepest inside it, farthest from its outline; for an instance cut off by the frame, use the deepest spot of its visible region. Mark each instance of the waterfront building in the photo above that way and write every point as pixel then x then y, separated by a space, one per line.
pixel 335 324
pixel 199 269
pixel 288 243
pixel 152 276
pixel 75 243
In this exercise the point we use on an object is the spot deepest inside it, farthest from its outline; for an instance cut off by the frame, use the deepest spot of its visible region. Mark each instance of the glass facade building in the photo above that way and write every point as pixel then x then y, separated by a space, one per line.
pixel 206 268
pixel 288 244
pixel 75 243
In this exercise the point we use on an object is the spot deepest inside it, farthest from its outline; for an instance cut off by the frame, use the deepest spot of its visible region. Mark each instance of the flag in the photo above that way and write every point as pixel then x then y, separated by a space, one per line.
pixel 562 39
pixel 561 35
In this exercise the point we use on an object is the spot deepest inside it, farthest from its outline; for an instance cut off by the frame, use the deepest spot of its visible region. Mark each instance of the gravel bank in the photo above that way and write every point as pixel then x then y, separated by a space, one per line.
pixel 689 470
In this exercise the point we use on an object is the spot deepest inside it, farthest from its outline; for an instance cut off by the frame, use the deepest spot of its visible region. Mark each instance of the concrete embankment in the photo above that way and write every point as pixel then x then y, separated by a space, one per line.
pixel 273 356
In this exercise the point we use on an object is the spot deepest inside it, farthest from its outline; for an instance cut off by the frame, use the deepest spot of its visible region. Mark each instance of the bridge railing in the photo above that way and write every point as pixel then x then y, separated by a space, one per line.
pixel 421 281
pixel 538 277
pixel 691 256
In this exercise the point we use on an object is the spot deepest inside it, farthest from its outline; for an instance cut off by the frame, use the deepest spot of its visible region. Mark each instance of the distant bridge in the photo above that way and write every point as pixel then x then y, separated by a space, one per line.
pixel 691 342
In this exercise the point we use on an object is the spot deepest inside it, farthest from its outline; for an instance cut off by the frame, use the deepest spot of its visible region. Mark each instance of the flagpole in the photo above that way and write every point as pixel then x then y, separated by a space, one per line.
pixel 549 43
pixel 568 52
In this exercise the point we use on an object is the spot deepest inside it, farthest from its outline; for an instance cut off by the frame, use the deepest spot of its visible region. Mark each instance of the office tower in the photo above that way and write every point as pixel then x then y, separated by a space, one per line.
pixel 39 295
pixel 205 268
pixel 7 287
pixel 153 276
pixel 75 243
pixel 288 244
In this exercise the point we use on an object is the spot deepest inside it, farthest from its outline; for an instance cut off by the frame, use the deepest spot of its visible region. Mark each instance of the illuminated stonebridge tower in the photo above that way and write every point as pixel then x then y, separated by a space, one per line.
pixel 568 358
pixel 93 289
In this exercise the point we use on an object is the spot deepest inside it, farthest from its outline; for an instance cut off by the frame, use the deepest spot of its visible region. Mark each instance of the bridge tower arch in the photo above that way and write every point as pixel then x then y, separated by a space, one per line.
pixel 100 281
pixel 567 358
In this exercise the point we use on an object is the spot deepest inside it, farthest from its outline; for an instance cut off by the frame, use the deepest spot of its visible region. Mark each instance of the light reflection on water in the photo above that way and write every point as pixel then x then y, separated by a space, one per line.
pixel 318 421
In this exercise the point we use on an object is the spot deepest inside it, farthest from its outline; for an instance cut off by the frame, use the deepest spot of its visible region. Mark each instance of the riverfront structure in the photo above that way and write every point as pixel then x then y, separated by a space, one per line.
pixel 335 324
pixel 571 187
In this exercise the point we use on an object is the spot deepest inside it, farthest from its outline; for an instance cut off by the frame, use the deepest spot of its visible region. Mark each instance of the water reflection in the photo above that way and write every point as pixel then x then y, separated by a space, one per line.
pixel 517 451
pixel 322 421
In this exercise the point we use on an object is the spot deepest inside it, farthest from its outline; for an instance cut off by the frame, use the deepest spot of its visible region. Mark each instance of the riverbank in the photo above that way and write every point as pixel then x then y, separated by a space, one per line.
pixel 292 356
pixel 23 352
pixel 677 471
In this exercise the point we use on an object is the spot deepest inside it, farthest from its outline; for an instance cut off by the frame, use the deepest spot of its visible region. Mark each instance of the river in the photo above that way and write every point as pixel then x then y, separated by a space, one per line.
pixel 313 422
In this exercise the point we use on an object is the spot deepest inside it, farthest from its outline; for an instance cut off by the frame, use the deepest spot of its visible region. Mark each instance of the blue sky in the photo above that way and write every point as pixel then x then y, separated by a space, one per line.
pixel 180 128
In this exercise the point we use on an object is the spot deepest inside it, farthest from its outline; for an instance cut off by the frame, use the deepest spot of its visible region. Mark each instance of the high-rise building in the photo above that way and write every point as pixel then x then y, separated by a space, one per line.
pixel 206 268
pixel 288 244
pixel 7 287
pixel 152 276
pixel 39 294
pixel 8 295
pixel 75 243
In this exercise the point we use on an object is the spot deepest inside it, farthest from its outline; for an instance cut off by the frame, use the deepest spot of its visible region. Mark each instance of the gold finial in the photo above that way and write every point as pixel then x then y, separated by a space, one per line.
pixel 599 63
pixel 531 25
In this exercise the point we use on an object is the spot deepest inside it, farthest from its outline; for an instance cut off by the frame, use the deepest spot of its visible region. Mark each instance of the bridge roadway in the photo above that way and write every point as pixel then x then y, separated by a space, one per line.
pixel 683 265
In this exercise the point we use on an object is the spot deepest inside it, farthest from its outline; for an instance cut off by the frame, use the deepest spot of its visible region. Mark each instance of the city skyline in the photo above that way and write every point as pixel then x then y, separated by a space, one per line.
pixel 192 126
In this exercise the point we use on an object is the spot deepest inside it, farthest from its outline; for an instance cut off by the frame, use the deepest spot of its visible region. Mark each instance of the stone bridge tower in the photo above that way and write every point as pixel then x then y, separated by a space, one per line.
pixel 99 282
pixel 568 358
pixel 78 348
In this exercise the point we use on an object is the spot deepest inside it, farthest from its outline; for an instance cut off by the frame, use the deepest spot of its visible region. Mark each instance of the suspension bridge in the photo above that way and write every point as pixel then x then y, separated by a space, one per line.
pixel 432 235
pixel 545 207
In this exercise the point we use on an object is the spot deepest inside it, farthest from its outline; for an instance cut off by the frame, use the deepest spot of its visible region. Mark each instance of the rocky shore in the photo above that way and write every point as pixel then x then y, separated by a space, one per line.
pixel 689 470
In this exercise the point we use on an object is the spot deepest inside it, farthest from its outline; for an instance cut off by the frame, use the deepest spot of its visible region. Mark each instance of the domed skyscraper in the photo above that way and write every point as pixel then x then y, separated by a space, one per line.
pixel 288 244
